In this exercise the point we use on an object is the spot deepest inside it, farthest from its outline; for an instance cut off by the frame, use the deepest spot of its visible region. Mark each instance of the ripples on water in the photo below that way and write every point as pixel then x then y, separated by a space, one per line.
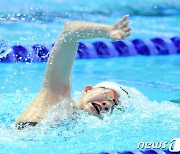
pixel 41 21
pixel 45 10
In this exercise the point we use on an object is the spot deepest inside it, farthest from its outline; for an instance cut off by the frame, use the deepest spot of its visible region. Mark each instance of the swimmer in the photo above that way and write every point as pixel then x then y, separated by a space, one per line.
pixel 102 97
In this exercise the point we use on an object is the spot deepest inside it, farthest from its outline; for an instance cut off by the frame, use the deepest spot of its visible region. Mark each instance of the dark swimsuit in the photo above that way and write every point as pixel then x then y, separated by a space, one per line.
pixel 23 125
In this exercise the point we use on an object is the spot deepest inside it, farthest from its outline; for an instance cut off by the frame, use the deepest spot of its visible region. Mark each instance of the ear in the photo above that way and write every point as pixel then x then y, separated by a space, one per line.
pixel 89 87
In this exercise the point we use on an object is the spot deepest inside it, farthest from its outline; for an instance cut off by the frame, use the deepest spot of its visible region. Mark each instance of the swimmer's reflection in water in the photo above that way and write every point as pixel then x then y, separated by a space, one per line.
pixel 98 99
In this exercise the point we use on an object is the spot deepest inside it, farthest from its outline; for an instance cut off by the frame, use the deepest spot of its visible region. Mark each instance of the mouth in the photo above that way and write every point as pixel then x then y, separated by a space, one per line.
pixel 97 107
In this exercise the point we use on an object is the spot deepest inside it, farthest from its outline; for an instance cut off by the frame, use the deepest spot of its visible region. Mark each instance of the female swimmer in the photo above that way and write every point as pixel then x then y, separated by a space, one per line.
pixel 57 80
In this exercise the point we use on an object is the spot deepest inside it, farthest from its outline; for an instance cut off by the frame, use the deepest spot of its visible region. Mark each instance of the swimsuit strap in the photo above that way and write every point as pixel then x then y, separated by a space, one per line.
pixel 23 125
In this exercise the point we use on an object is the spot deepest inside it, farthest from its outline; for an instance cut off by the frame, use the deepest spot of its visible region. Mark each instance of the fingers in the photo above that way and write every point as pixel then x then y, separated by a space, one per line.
pixel 122 25
pixel 119 35
pixel 127 34
pixel 123 35
pixel 127 29
pixel 125 23
pixel 120 29
pixel 124 18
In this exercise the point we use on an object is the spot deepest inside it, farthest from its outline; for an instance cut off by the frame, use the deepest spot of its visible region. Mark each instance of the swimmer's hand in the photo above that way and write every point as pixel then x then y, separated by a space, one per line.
pixel 120 29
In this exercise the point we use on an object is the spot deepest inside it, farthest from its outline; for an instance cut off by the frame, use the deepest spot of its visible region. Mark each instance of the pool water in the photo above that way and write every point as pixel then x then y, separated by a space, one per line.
pixel 150 118
pixel 41 21
pixel 155 79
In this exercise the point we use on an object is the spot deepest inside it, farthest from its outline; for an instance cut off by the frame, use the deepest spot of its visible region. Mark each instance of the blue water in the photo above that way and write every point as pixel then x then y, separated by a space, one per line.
pixel 41 21
pixel 151 117
pixel 157 77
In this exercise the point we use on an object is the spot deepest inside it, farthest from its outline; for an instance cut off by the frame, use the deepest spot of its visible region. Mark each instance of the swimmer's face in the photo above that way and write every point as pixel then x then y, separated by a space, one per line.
pixel 98 100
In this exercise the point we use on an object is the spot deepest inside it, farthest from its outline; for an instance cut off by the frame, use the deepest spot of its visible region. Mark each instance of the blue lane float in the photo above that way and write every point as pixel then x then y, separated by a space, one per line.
pixel 98 49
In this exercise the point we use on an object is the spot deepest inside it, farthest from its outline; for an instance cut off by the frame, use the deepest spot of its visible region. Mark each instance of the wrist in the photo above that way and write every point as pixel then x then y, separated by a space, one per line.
pixel 109 28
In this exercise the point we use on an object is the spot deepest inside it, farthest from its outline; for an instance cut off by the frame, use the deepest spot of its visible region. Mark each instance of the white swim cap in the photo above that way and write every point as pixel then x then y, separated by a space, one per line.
pixel 119 89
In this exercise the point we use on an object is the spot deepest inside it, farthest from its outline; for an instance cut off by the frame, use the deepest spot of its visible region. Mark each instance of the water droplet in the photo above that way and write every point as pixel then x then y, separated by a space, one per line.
pixel 23 19
pixel 6 80
pixel 25 89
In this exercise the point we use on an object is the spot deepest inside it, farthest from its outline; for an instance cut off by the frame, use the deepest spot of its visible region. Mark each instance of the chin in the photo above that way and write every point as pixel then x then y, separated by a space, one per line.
pixel 92 113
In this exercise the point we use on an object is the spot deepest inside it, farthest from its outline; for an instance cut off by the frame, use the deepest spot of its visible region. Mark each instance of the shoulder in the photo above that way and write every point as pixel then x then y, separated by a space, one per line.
pixel 64 91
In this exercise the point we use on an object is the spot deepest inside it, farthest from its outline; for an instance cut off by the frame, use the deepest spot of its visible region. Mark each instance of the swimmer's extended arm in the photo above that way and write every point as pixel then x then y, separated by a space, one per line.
pixel 57 80
pixel 61 59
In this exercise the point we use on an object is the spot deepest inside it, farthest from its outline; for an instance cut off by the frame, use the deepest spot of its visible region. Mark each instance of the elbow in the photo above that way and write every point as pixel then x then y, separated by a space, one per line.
pixel 69 26
pixel 72 26
pixel 71 30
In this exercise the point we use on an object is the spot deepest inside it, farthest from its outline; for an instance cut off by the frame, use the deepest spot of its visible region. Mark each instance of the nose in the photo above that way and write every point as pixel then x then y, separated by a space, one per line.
pixel 106 105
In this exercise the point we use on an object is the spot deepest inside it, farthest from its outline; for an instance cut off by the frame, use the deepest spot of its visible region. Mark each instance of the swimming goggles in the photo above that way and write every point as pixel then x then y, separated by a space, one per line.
pixel 110 96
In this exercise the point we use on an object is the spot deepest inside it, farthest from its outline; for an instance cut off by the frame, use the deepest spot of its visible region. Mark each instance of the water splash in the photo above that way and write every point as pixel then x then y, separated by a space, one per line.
pixel 142 121
pixel 4 47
